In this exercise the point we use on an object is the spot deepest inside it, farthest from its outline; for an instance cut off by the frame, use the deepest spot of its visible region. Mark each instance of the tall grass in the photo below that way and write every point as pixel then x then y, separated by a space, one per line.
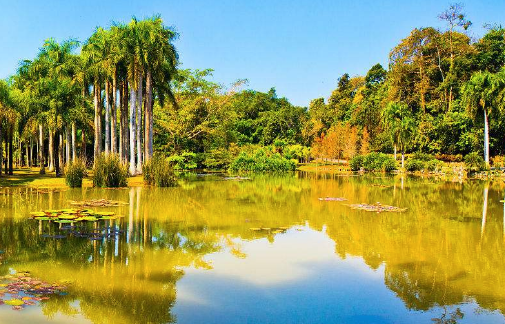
pixel 75 171
pixel 158 171
pixel 109 172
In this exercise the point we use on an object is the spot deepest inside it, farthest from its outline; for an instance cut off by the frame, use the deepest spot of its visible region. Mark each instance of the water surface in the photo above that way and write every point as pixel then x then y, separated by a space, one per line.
pixel 194 254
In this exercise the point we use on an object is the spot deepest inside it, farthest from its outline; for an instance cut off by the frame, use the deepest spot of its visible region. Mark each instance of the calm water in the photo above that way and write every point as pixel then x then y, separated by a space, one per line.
pixel 189 255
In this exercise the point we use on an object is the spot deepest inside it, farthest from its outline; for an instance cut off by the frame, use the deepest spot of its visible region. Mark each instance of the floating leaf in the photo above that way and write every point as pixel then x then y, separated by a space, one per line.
pixel 14 302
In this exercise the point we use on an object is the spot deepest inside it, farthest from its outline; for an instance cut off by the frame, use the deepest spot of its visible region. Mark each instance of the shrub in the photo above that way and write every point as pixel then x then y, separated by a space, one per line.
pixel 260 161
pixel 185 161
pixel 159 172
pixel 425 157
pixel 109 172
pixel 434 165
pixel 379 162
pixel 474 162
pixel 74 172
pixel 499 161
pixel 415 165
pixel 449 157
pixel 356 163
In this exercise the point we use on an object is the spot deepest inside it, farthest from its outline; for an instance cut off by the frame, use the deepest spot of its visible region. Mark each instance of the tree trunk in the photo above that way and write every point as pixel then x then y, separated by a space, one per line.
pixel 67 145
pixel 11 138
pixel 395 152
pixel 51 152
pixel 139 125
pixel 1 149
pixel 60 150
pixel 30 157
pixel 41 150
pixel 107 118
pixel 148 133
pixel 113 124
pixel 98 120
pixel 132 129
pixel 56 147
pixel 486 138
pixel 403 159
pixel 83 145
pixel 74 153
pixel 27 155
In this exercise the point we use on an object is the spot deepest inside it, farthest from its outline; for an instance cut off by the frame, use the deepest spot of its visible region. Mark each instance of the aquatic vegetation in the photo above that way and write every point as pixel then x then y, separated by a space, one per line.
pixel 273 230
pixel 98 203
pixel 63 216
pixel 158 171
pixel 20 290
pixel 333 199
pixel 74 172
pixel 377 207
pixel 110 172
pixel 237 178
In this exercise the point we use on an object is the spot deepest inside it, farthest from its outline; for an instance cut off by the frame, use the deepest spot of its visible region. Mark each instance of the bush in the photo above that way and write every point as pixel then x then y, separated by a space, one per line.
pixel 260 161
pixel 425 157
pixel 499 161
pixel 185 161
pixel 415 165
pixel 379 162
pixel 159 172
pixel 434 165
pixel 474 162
pixel 449 157
pixel 356 163
pixel 109 172
pixel 74 172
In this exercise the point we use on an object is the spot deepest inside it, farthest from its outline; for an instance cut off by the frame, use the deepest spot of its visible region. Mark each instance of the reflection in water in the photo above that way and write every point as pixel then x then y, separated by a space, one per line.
pixel 187 254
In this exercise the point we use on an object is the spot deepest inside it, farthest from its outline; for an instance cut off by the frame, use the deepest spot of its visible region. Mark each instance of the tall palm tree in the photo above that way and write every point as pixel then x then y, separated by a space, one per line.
pixel 400 124
pixel 479 94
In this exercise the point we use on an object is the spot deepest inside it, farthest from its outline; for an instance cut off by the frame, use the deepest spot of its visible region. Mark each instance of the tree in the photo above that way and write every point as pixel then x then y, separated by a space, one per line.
pixel 479 94
pixel 400 124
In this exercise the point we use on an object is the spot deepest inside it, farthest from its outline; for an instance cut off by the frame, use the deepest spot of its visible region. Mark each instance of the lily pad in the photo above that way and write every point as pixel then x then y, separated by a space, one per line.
pixel 14 302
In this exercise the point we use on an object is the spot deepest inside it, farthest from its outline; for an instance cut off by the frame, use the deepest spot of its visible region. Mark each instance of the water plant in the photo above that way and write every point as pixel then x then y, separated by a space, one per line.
pixel 158 171
pixel 109 171
pixel 75 171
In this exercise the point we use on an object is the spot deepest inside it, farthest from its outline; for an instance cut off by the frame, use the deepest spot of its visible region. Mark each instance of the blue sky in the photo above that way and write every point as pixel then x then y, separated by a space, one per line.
pixel 300 47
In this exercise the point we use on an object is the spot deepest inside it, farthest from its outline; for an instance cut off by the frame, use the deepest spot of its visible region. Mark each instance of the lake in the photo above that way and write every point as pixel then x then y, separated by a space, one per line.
pixel 260 250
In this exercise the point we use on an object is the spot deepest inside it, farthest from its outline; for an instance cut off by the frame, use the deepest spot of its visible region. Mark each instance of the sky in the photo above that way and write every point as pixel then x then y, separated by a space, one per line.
pixel 300 47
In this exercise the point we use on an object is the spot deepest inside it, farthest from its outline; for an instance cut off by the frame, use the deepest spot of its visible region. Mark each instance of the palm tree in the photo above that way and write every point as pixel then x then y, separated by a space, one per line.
pixel 478 96
pixel 400 124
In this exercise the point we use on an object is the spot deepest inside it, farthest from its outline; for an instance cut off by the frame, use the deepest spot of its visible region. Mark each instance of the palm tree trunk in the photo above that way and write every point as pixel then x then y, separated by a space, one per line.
pixel 1 149
pixel 56 148
pixel 11 138
pixel 121 121
pixel 51 152
pixel 74 153
pixel 132 129
pixel 107 118
pixel 148 133
pixel 486 138
pixel 67 145
pixel 60 150
pixel 96 102
pixel 395 152
pixel 139 125
pixel 30 156
pixel 41 150
pixel 27 155
pixel 83 145
pixel 403 159
pixel 113 125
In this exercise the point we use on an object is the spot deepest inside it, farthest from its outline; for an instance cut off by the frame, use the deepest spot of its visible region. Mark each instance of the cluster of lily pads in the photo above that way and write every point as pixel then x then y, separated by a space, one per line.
pixel 333 199
pixel 20 290
pixel 273 230
pixel 377 208
pixel 63 216
pixel 98 203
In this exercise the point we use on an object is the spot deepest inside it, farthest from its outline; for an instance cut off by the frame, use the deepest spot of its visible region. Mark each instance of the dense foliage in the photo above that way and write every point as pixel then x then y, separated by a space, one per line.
pixel 109 172
pixel 443 93
pixel 262 161
pixel 159 172
pixel 75 171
